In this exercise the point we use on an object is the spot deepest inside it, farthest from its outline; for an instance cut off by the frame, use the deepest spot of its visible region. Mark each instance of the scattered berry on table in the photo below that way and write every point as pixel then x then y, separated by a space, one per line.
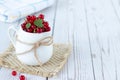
pixel 14 73
pixel 22 77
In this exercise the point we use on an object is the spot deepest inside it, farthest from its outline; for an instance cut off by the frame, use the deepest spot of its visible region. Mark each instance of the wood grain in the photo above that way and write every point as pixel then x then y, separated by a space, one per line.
pixel 103 26
pixel 93 28
pixel 70 26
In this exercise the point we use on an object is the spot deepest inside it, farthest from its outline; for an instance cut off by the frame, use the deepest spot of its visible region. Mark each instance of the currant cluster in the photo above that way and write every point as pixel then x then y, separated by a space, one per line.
pixel 35 24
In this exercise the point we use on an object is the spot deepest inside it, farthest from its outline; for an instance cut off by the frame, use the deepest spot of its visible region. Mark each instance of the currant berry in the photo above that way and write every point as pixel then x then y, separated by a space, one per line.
pixel 33 26
pixel 33 18
pixel 22 77
pixel 30 30
pixel 28 17
pixel 46 24
pixel 38 30
pixel 22 25
pixel 43 29
pixel 41 16
pixel 47 29
pixel 25 30
pixel 31 21
pixel 14 73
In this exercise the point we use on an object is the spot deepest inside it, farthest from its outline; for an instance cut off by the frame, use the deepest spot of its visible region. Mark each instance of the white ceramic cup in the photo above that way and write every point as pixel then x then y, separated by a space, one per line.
pixel 44 52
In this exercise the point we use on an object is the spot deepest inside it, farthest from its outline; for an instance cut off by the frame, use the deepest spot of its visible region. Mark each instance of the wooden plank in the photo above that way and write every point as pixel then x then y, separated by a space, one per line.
pixel 103 28
pixel 115 40
pixel 115 5
pixel 70 26
pixel 89 7
pixel 4 36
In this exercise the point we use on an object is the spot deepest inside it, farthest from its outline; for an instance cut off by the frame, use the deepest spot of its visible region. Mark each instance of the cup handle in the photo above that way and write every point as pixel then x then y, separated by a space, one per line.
pixel 12 34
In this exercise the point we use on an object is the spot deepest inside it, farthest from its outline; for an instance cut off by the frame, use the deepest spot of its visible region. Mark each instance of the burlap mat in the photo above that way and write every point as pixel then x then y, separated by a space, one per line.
pixel 49 69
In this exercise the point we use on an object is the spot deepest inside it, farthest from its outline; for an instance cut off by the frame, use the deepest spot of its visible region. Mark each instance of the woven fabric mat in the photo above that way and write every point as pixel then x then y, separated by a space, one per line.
pixel 49 69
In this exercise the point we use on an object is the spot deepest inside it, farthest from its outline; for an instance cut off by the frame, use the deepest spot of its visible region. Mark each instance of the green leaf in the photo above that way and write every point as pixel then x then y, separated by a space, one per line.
pixel 38 23
pixel 28 25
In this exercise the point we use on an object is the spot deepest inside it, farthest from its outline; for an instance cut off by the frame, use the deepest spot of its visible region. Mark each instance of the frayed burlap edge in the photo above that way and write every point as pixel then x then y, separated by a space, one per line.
pixel 49 69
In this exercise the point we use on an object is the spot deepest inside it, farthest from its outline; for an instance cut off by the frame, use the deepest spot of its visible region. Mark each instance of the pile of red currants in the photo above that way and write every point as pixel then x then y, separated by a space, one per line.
pixel 35 24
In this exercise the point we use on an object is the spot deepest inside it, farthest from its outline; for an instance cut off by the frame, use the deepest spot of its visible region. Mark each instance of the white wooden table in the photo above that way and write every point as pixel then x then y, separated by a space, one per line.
pixel 93 28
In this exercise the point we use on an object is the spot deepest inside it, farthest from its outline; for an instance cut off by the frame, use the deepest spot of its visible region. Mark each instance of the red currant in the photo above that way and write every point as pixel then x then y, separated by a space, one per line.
pixel 25 30
pixel 30 30
pixel 47 29
pixel 43 29
pixel 33 18
pixel 31 21
pixel 14 73
pixel 38 30
pixel 28 17
pixel 22 77
pixel 33 26
pixel 23 25
pixel 41 16
pixel 46 24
